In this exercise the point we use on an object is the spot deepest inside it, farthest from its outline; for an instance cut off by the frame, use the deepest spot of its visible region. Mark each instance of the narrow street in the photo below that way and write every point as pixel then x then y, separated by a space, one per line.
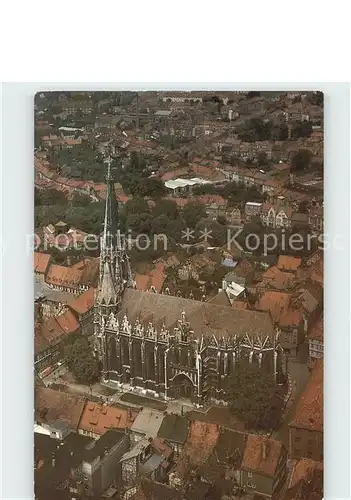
pixel 300 375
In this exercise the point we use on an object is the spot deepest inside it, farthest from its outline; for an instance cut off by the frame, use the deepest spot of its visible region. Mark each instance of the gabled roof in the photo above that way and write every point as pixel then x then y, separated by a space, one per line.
pixel 41 262
pixel 83 303
pixel 174 428
pixel 205 318
pixel 53 405
pixel 261 455
pixel 309 411
pixel 288 263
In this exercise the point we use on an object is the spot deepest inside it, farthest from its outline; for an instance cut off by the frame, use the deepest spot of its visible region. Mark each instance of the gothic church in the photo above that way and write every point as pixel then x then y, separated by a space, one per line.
pixel 172 346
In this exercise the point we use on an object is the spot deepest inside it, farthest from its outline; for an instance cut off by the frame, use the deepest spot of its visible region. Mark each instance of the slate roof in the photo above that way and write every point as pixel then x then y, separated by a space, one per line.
pixel 174 428
pixel 205 318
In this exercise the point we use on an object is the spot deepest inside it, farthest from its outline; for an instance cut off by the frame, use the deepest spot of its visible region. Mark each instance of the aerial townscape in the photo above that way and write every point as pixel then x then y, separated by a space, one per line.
pixel 178 277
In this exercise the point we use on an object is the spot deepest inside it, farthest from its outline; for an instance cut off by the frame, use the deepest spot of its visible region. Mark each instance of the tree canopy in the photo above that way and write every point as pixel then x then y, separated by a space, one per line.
pixel 254 397
pixel 81 361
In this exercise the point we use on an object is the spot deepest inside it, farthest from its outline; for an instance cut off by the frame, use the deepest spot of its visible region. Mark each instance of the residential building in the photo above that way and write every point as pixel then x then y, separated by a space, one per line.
pixel 202 439
pixel 276 279
pixel 50 336
pixel 174 429
pixel 41 263
pixel 149 458
pixel 306 481
pixel 252 209
pixel 195 266
pixel 147 423
pixel 263 468
pixel 100 466
pixel 276 216
pixel 242 274
pixel 153 280
pixel 53 461
pixel 288 263
pixel 316 342
pixel 306 427
pixel 234 216
pixel 289 320
pixel 97 418
pixel 83 308
pixel 316 218
pixel 53 407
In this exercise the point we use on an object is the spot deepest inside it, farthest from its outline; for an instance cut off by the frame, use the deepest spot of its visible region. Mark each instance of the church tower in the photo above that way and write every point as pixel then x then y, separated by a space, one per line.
pixel 115 272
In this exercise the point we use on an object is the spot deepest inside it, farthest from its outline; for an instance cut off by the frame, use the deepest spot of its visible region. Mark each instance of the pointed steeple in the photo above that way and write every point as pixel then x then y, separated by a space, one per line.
pixel 115 274
pixel 111 237
pixel 108 292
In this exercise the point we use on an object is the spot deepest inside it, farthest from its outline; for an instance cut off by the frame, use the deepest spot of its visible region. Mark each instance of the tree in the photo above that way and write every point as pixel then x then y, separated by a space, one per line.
pixel 165 207
pixel 136 206
pixel 254 397
pixel 300 160
pixel 81 361
pixel 192 213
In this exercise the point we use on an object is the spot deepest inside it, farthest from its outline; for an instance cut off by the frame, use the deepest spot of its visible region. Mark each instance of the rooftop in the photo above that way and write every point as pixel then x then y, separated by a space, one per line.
pixel 51 476
pixel 261 455
pixel 84 302
pixel 201 440
pixel 309 411
pixel 51 406
pixel 148 422
pixel 205 318
pixel 174 428
pixel 288 263
pixel 41 262
pixel 97 418
pixel 277 303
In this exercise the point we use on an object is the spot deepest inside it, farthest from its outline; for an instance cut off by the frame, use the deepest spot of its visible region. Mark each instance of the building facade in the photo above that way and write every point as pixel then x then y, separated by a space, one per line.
pixel 172 346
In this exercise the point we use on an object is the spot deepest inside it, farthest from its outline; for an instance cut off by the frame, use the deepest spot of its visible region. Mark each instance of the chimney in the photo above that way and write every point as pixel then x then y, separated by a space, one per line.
pixel 53 460
pixel 264 451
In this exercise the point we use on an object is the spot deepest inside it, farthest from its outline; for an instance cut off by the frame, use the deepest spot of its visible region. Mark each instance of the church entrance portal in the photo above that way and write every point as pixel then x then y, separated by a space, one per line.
pixel 181 387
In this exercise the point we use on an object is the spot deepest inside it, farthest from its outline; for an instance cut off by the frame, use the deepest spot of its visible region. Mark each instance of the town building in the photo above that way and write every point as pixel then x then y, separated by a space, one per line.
pixel 316 343
pixel 174 429
pixel 263 468
pixel 173 346
pixel 150 458
pixel 306 427
pixel 97 418
pixel 100 467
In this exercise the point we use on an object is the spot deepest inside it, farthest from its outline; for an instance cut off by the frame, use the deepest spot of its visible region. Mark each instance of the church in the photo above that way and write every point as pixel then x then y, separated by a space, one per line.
pixel 174 347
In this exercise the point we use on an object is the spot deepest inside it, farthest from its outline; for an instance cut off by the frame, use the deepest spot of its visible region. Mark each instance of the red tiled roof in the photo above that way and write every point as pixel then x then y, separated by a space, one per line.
pixel 68 322
pixel 277 303
pixel 309 411
pixel 154 278
pixel 288 263
pixel 98 418
pixel 201 440
pixel 41 262
pixel 291 318
pixel 84 302
pixel 254 458
pixel 63 276
pixel 278 279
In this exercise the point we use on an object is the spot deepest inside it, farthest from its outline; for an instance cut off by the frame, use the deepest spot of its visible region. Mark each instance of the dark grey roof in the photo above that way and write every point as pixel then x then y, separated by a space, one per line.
pixel 174 428
pixel 104 443
pixel 205 318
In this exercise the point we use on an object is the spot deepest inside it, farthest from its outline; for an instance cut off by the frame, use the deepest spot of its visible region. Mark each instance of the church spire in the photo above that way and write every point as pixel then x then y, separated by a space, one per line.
pixel 114 276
